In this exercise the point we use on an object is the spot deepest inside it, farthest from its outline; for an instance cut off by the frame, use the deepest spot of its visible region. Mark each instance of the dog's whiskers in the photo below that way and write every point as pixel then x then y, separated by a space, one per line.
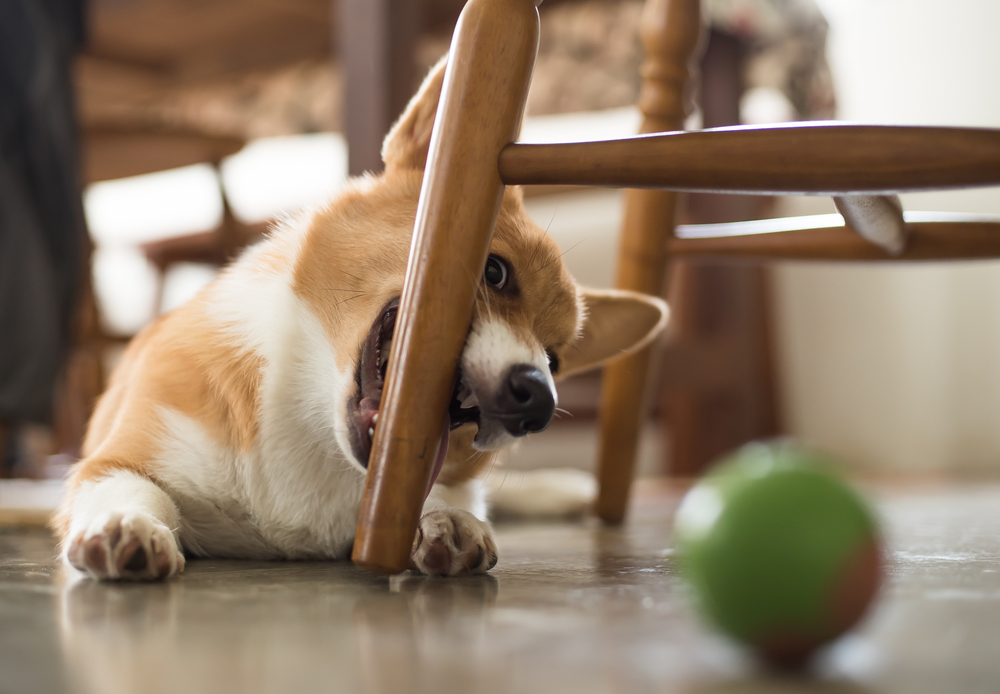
pixel 558 257
pixel 350 298
pixel 541 239
pixel 352 276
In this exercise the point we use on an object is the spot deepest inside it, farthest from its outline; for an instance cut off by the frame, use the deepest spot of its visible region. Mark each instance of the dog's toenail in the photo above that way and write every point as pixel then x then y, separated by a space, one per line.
pixel 480 555
pixel 162 564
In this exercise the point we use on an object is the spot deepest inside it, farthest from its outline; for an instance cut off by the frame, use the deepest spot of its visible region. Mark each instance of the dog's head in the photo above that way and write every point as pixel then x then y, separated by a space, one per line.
pixel 532 324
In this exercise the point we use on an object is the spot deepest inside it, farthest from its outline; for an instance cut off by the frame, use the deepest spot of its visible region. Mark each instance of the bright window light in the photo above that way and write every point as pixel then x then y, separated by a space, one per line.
pixel 183 281
pixel 590 126
pixel 132 211
pixel 278 175
pixel 125 285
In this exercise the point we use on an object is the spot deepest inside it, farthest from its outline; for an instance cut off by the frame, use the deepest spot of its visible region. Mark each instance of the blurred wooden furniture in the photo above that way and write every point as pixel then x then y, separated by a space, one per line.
pixel 378 40
pixel 118 145
pixel 4 440
pixel 140 55
pixel 715 385
pixel 119 150
pixel 478 116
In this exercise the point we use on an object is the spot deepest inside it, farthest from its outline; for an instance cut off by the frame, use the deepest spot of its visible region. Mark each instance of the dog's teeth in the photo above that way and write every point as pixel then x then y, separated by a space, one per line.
pixel 375 418
pixel 371 431
pixel 468 399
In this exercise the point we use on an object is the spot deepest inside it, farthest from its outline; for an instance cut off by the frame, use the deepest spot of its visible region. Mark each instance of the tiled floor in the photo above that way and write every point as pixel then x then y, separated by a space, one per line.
pixel 569 608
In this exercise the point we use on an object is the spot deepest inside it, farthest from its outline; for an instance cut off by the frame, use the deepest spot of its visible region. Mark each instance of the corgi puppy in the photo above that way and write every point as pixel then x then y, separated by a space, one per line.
pixel 240 424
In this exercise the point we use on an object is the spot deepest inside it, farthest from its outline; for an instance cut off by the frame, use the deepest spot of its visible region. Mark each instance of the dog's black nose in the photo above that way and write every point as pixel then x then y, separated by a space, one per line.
pixel 525 403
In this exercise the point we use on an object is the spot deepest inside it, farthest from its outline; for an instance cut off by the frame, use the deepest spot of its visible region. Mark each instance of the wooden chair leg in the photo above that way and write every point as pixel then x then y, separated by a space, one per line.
pixel 720 308
pixel 671 30
pixel 482 101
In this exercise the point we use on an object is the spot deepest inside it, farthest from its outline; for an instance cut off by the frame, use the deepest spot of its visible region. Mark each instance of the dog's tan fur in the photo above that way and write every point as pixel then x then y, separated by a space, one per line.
pixel 344 263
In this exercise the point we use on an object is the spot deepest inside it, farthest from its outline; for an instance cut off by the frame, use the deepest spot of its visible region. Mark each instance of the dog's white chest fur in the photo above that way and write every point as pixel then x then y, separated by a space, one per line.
pixel 294 494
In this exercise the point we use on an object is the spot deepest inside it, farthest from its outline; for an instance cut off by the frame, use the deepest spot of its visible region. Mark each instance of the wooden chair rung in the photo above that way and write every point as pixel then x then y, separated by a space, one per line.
pixel 931 236
pixel 790 159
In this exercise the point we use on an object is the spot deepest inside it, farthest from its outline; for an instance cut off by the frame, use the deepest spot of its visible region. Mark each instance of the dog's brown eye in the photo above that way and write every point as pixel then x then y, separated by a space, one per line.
pixel 495 273
pixel 553 361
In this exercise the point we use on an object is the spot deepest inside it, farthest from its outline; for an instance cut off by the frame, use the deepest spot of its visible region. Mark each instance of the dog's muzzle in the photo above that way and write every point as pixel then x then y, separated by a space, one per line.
pixel 524 401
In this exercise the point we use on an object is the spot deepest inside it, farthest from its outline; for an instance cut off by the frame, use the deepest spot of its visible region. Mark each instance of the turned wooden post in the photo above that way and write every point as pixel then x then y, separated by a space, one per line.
pixel 482 101
pixel 671 32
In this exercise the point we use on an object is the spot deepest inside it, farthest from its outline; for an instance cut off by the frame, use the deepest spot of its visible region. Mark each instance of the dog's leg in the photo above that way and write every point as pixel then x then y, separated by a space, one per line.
pixel 450 539
pixel 122 526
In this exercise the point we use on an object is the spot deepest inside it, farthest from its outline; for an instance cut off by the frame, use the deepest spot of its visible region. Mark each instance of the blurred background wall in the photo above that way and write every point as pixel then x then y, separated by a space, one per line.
pixel 899 368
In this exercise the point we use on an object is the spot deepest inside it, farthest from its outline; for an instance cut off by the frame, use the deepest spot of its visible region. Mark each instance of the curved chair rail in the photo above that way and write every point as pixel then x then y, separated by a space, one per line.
pixel 793 159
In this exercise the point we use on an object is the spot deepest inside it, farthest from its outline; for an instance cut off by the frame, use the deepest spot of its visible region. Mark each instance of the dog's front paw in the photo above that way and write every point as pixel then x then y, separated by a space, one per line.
pixel 452 542
pixel 125 546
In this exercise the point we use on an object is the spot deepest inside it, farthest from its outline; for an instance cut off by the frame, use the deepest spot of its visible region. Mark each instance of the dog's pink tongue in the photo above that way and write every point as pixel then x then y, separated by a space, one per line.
pixel 442 452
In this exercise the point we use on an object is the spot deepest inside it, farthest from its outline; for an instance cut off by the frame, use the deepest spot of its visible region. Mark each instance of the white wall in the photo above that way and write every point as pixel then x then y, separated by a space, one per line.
pixel 899 367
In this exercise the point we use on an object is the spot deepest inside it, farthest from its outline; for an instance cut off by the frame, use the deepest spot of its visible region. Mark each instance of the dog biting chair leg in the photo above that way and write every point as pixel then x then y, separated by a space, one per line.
pixel 482 101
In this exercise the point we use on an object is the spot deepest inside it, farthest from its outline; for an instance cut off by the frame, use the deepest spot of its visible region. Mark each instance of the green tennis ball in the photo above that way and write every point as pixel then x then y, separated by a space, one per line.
pixel 780 553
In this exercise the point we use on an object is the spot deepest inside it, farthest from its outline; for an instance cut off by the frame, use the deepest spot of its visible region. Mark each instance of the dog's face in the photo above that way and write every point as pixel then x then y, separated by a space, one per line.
pixel 531 323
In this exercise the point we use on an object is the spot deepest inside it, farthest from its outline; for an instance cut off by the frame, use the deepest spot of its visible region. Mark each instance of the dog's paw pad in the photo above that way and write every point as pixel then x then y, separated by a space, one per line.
pixel 133 547
pixel 453 542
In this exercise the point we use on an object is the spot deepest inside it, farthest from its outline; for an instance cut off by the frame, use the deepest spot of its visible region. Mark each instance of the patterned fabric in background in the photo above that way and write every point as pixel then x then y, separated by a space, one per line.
pixel 787 42
pixel 588 59
pixel 590 53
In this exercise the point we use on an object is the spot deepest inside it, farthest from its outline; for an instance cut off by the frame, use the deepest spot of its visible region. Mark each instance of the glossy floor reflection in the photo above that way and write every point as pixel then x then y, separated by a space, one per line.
pixel 569 608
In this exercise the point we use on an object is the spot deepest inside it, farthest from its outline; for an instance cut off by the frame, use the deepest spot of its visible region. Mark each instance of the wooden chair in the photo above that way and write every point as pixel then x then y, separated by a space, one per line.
pixel 117 149
pixel 472 158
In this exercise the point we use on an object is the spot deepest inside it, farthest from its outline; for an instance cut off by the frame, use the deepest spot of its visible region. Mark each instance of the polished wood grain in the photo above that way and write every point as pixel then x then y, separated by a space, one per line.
pixel 931 236
pixel 671 30
pixel 482 102
pixel 792 159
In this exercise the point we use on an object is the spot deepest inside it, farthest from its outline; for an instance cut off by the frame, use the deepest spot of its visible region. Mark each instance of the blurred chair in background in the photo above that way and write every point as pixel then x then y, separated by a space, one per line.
pixel 149 84
pixel 764 61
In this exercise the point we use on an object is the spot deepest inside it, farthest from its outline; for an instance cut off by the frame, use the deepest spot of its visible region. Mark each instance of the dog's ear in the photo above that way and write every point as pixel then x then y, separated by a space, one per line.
pixel 405 147
pixel 616 323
